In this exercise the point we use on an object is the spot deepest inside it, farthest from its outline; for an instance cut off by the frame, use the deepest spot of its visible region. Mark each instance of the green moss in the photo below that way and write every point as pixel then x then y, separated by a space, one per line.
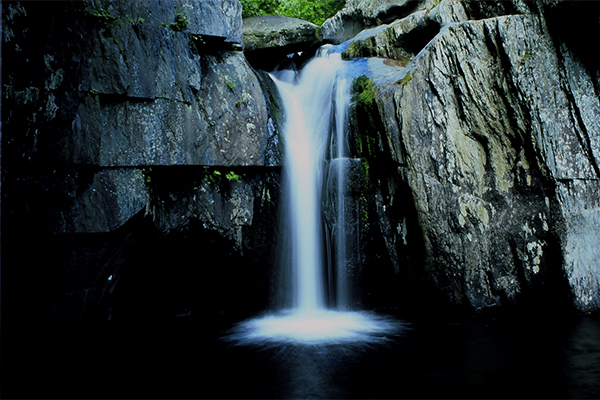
pixel 102 16
pixel 147 174
pixel 198 42
pixel 364 98
pixel 214 176
pixel 211 177
pixel 367 125
pixel 233 177
pixel 231 84
pixel 355 50
pixel 181 21
pixel 363 92
pixel 407 78
pixel 136 21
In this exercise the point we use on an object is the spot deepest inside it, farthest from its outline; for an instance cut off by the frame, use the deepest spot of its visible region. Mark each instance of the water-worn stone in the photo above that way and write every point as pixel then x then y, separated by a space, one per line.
pixel 400 40
pixel 358 15
pixel 494 147
pixel 269 39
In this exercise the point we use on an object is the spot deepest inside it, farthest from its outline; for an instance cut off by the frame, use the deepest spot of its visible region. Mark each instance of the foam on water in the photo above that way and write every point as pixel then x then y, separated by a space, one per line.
pixel 315 327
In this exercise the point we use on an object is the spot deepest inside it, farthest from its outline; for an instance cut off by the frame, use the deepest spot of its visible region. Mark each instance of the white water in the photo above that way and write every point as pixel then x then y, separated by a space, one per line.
pixel 342 105
pixel 316 103
pixel 308 101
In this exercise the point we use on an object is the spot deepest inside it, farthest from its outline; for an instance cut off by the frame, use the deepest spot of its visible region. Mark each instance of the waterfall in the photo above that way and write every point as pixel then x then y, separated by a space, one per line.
pixel 314 307
pixel 315 103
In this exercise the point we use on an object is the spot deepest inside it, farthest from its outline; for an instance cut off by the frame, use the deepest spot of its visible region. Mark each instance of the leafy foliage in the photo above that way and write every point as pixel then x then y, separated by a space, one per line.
pixel 181 21
pixel 315 11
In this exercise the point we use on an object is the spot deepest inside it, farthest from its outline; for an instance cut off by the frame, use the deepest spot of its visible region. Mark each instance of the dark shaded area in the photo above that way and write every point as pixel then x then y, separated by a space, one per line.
pixel 417 39
pixel 135 273
pixel 281 58
pixel 576 23
pixel 183 272
pixel 394 12
pixel 488 9
pixel 435 356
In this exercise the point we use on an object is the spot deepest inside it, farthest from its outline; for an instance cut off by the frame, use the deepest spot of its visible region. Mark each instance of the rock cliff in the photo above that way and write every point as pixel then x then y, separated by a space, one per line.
pixel 119 113
pixel 141 156
pixel 493 132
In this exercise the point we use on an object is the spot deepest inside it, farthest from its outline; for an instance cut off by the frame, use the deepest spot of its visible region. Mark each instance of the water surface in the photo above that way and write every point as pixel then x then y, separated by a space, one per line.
pixel 189 357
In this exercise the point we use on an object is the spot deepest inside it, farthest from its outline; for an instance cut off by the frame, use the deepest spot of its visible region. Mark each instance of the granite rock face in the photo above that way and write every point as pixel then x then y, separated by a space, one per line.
pixel 136 137
pixel 494 134
pixel 106 104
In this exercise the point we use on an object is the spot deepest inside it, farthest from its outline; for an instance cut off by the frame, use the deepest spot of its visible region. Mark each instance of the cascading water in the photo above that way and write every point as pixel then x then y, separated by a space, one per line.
pixel 316 103
pixel 312 100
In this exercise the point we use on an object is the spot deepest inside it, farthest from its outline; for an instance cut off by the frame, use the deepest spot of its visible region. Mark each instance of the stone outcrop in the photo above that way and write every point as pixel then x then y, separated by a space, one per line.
pixel 137 98
pixel 358 15
pixel 275 32
pixel 400 40
pixel 268 39
pixel 494 134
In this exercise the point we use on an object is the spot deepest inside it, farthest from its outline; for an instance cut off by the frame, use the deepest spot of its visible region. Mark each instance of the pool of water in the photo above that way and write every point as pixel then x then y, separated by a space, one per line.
pixel 194 357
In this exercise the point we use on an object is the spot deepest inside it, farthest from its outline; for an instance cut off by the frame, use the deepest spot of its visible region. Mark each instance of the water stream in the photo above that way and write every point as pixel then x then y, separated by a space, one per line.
pixel 313 305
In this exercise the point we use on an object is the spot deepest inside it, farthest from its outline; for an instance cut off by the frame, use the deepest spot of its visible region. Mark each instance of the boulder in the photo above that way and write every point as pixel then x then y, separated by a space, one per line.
pixel 276 32
pixel 400 40
pixel 269 38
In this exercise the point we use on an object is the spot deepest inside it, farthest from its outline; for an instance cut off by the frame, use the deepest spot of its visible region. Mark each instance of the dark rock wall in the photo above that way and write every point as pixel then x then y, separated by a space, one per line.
pixel 141 157
pixel 125 123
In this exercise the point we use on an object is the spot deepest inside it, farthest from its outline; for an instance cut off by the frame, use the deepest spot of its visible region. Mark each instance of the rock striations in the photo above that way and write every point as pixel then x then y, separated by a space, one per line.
pixel 494 130
pixel 120 113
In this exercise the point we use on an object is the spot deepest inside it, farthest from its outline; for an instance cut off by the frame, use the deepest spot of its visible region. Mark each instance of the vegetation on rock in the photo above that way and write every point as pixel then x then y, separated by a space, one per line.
pixel 315 11
pixel 181 20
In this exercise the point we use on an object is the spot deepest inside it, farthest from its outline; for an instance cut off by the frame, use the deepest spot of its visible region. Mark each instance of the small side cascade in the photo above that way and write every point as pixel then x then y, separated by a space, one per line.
pixel 340 167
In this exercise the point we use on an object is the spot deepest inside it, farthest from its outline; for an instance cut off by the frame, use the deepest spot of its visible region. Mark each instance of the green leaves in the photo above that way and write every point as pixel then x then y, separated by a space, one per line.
pixel 315 11
pixel 181 20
